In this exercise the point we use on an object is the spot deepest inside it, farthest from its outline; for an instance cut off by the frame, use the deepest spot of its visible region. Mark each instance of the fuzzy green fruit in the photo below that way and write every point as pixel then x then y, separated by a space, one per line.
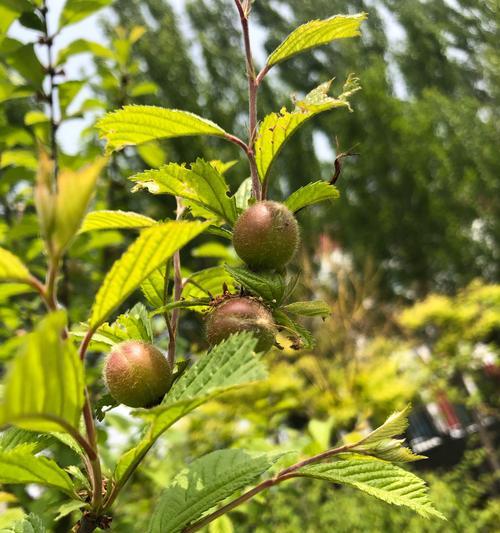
pixel 241 314
pixel 266 235
pixel 137 374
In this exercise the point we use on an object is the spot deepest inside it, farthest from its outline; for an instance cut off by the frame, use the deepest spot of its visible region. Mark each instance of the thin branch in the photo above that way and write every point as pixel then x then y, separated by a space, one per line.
pixel 283 475
pixel 252 100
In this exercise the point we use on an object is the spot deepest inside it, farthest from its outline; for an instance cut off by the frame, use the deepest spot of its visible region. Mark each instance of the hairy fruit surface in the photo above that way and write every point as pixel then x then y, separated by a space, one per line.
pixel 137 374
pixel 241 314
pixel 266 235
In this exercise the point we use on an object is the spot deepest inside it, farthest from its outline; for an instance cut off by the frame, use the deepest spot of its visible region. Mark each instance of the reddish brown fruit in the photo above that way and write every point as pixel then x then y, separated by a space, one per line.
pixel 266 235
pixel 137 374
pixel 241 314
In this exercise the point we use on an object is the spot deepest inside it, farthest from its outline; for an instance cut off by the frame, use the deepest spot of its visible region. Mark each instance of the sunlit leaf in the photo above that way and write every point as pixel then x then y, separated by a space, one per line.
pixel 138 124
pixel 44 386
pixel 76 10
pixel 311 193
pixel 81 46
pixel 99 220
pixel 308 308
pixel 152 249
pixel 12 268
pixel 316 33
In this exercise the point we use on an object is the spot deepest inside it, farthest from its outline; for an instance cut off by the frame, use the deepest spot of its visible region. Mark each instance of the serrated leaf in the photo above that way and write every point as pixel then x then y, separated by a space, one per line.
pixel 311 308
pixel 316 33
pixel 383 480
pixel 13 437
pixel 230 364
pixel 21 466
pixel 206 482
pixel 208 282
pixel 312 193
pixel 12 268
pixel 138 124
pixel 45 383
pixel 395 425
pixel 277 128
pixel 67 508
pixel 150 250
pixel 29 524
pixel 201 184
pixel 76 10
pixel 153 286
pixel 299 335
pixel 392 450
pixel 271 286
pixel 81 46
pixel 105 219
pixel 222 166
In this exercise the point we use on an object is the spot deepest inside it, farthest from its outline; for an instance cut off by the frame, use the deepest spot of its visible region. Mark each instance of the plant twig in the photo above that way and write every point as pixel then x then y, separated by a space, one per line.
pixel 283 475
pixel 252 99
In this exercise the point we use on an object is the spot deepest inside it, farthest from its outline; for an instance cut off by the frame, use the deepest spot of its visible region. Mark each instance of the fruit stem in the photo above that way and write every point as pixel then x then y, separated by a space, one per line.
pixel 252 100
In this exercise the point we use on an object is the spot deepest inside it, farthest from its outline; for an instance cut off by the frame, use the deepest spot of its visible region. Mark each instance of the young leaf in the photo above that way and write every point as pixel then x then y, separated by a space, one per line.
pixel 44 387
pixel 76 10
pixel 140 123
pixel 230 364
pixel 153 286
pixel 151 249
pixel 21 466
pixel 208 282
pixel 316 33
pixel 312 193
pixel 206 482
pixel 271 286
pixel 97 220
pixel 12 268
pixel 277 128
pixel 311 308
pixel 395 425
pixel 383 480
pixel 202 185
pixel 300 336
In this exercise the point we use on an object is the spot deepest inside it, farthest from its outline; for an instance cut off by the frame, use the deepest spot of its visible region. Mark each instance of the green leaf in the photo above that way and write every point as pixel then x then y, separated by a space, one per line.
pixel 312 193
pixel 21 466
pixel 22 57
pixel 67 92
pixel 152 154
pixel 18 158
pixel 206 482
pixel 201 185
pixel 222 524
pixel 150 250
pixel 153 286
pixel 104 219
pixel 12 268
pixel 29 524
pixel 271 286
pixel 208 282
pixel 140 123
pixel 44 386
pixel 243 194
pixel 76 10
pixel 300 336
pixel 395 425
pixel 277 128
pixel 383 480
pixel 311 308
pixel 67 508
pixel 316 33
pixel 81 46
pixel 230 364
pixel 13 437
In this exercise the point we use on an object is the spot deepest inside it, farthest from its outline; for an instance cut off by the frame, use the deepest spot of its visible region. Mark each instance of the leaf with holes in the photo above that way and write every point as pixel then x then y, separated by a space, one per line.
pixel 277 128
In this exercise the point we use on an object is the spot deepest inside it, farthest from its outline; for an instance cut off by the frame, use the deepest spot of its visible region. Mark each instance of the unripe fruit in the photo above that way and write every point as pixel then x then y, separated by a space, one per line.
pixel 241 314
pixel 137 374
pixel 266 235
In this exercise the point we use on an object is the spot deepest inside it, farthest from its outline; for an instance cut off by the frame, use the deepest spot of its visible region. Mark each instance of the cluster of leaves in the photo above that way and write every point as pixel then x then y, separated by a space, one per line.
pixel 45 394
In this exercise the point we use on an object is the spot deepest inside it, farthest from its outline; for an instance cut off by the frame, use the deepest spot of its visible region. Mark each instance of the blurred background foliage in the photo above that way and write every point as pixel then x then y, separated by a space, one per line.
pixel 408 257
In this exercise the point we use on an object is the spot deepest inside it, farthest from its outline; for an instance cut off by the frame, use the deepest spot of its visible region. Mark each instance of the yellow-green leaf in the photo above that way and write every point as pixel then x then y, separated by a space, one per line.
pixel 45 384
pixel 151 249
pixel 311 193
pixel 136 124
pixel 277 128
pixel 21 466
pixel 316 33
pixel 97 220
pixel 12 268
